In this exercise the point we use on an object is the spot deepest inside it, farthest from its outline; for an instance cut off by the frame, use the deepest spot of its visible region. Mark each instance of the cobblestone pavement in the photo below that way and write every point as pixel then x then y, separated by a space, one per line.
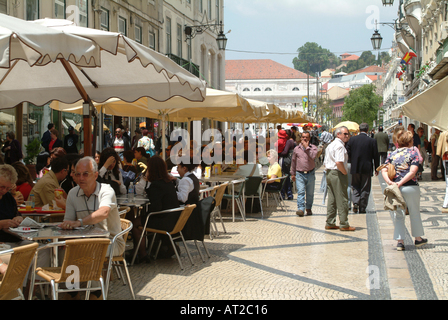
pixel 285 257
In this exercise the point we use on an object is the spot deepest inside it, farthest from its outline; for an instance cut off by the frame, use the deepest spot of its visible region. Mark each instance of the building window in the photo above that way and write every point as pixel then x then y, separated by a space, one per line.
pixel 138 34
pixel 83 13
pixel 168 35
pixel 257 89
pixel 105 19
pixel 268 89
pixel 152 40
pixel 122 26
pixel 295 89
pixel 59 9
pixel 246 89
pixel 179 40
pixel 32 10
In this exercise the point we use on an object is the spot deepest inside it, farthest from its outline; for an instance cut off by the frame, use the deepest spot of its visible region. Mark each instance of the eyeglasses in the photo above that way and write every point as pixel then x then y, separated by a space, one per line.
pixel 84 174
pixel 7 189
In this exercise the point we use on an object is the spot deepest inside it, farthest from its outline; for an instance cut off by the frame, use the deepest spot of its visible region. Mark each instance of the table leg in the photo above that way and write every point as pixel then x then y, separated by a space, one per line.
pixel 233 202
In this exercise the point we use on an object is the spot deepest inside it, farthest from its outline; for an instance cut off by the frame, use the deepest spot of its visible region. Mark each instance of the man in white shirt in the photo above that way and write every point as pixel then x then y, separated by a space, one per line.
pixel 335 162
pixel 92 203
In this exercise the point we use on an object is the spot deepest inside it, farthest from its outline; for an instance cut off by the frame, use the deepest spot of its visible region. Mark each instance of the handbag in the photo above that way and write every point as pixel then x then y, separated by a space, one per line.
pixel 390 170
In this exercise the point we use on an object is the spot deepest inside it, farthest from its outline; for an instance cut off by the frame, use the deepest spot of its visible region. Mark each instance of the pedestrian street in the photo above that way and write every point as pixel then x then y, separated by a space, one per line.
pixel 286 257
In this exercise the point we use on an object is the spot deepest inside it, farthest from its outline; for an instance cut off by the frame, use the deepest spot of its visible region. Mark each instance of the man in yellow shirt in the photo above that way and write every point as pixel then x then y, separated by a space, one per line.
pixel 43 190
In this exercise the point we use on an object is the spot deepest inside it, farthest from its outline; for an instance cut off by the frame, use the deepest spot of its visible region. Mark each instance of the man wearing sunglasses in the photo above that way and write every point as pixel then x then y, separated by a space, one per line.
pixel 336 161
pixel 92 203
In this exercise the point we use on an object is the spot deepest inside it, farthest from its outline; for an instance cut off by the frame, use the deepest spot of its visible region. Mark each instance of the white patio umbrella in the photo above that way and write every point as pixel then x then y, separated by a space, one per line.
pixel 216 104
pixel 52 59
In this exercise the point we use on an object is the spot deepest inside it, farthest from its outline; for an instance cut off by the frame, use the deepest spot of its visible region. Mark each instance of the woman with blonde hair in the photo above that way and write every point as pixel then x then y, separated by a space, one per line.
pixel 406 160
pixel 275 171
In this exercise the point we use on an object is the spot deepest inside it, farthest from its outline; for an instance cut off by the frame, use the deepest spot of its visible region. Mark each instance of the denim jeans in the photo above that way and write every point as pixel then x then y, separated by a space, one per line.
pixel 305 185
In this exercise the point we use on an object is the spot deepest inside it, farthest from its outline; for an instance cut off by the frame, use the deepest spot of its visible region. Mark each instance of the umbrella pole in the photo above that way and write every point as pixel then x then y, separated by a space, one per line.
pixel 163 137
pixel 86 107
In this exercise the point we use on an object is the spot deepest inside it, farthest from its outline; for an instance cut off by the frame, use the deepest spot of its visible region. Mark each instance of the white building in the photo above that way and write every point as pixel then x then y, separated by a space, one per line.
pixel 270 81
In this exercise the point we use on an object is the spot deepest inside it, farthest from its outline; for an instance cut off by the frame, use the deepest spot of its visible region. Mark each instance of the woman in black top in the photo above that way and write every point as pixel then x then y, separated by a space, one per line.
pixel 188 194
pixel 162 196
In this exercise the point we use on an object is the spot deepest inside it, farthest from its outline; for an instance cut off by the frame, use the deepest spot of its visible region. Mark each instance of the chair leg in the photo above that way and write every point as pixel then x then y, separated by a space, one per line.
pixel 206 250
pixel 102 288
pixel 222 221
pixel 186 248
pixel 177 254
pixel 200 253
pixel 261 208
pixel 53 290
pixel 240 206
pixel 128 279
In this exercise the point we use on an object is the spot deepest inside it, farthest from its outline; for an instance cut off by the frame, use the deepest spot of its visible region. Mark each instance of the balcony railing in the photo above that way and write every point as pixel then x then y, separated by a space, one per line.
pixel 187 65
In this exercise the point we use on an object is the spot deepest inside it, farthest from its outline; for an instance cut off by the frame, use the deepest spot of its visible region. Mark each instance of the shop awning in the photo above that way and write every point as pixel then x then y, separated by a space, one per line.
pixel 431 106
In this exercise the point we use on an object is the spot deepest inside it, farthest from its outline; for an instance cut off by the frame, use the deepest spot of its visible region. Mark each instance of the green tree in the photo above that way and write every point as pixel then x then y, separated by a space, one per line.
pixel 366 59
pixel 318 58
pixel 362 105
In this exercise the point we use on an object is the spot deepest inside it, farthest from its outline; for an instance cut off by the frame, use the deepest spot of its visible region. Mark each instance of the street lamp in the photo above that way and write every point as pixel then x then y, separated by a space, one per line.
pixel 388 2
pixel 192 31
pixel 377 40
pixel 221 40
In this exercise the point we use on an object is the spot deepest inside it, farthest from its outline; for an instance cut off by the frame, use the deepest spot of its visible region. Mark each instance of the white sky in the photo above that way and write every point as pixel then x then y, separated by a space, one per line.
pixel 283 26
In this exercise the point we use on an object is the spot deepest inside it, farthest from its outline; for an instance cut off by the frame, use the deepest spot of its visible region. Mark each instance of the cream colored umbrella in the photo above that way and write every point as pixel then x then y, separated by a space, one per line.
pixel 351 126
pixel 217 105
pixel 52 59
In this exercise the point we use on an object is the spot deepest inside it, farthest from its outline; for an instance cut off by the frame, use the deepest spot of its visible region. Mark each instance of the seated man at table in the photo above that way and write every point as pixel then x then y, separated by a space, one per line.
pixel 43 190
pixel 11 218
pixel 92 203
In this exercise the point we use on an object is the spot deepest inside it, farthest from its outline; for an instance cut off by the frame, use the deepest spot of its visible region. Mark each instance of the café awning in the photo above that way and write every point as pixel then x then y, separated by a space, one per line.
pixel 431 106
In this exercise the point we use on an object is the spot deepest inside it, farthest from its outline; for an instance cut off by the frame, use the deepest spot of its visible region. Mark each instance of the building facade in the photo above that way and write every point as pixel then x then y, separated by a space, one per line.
pixel 422 29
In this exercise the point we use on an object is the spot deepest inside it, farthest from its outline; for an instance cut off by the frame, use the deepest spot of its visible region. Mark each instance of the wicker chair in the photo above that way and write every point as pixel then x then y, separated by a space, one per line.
pixel 119 262
pixel 85 257
pixel 219 193
pixel 18 267
pixel 183 218
pixel 122 211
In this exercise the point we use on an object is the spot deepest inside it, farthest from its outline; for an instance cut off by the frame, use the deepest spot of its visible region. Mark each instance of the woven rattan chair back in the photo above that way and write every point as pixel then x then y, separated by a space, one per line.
pixel 219 193
pixel 122 211
pixel 125 225
pixel 17 268
pixel 87 255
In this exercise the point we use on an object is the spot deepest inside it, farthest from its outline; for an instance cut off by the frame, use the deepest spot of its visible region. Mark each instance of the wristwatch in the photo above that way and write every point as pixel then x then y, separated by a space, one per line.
pixel 82 224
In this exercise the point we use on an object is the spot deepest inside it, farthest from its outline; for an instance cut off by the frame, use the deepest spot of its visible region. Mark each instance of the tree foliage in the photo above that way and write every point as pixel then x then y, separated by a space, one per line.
pixel 318 58
pixel 362 105
pixel 366 59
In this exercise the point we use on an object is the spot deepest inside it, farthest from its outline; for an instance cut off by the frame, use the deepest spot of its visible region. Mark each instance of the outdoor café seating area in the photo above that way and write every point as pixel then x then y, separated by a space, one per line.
pixel 96 72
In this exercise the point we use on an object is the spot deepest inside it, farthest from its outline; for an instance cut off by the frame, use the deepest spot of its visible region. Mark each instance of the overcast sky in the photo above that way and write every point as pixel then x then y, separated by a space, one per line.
pixel 283 26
